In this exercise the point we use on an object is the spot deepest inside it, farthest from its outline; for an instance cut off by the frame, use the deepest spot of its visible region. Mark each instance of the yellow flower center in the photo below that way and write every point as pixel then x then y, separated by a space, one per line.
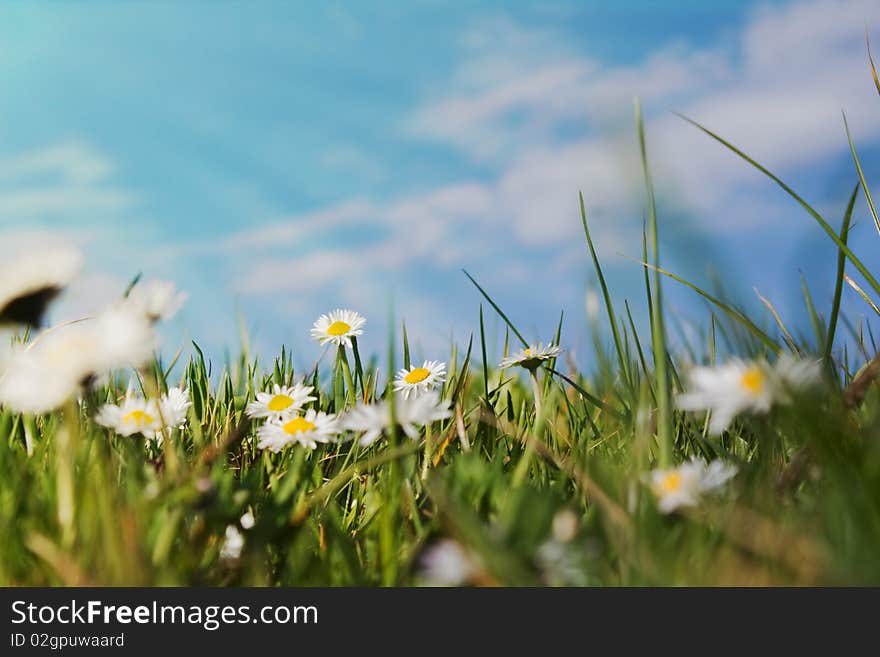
pixel 670 482
pixel 417 375
pixel 298 425
pixel 338 328
pixel 138 417
pixel 279 403
pixel 753 380
pixel 528 352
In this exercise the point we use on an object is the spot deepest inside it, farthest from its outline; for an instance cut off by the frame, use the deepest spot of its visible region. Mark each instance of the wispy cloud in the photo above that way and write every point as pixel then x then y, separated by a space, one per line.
pixel 544 122
pixel 59 180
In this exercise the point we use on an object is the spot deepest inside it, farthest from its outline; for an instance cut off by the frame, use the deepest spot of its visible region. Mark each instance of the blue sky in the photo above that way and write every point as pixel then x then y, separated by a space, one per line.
pixel 281 159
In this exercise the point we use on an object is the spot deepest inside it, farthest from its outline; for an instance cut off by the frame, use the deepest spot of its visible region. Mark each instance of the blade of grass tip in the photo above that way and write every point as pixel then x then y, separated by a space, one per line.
pixel 497 309
pixel 785 333
pixel 134 281
pixel 857 263
pixel 852 148
pixel 815 320
pixel 841 265
pixel 861 293
pixel 557 338
pixel 638 342
pixel 730 310
pixel 406 360
pixel 358 365
pixel 658 341
pixel 485 357
pixel 609 308
pixel 465 368
pixel 871 60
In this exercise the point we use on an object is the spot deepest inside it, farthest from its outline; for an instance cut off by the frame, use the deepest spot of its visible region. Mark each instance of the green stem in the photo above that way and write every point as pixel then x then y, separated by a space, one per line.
pixel 65 455
pixel 346 370
pixel 522 467
pixel 429 448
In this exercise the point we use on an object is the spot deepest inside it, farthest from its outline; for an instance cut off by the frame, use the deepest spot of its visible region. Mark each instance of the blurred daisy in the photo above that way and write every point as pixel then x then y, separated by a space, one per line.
pixel 447 563
pixel 30 280
pixel 417 380
pixel 126 337
pixel 233 544
pixel 374 420
pixel 134 415
pixel 157 300
pixel 686 484
pixel 282 402
pixel 41 375
pixel 338 327
pixel 173 407
pixel 310 429
pixel 738 386
pixel 532 356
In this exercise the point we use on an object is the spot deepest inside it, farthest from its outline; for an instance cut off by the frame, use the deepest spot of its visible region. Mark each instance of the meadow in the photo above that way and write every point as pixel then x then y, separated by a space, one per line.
pixel 749 457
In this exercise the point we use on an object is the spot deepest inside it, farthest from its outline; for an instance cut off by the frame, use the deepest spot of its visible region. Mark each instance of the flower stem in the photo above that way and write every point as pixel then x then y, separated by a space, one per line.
pixel 346 370
pixel 429 448
pixel 65 455
pixel 522 468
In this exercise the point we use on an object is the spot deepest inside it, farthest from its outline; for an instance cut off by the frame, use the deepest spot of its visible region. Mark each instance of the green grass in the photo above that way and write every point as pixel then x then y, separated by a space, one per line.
pixel 90 507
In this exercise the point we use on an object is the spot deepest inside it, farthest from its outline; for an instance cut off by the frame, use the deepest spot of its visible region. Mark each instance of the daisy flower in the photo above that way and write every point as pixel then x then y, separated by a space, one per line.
pixel 157 300
pixel 338 327
pixel 41 375
pixel 686 484
pixel 173 407
pixel 738 386
pixel 308 430
pixel 416 380
pixel 134 415
pixel 147 417
pixel 532 356
pixel 373 420
pixel 282 402
pixel 31 280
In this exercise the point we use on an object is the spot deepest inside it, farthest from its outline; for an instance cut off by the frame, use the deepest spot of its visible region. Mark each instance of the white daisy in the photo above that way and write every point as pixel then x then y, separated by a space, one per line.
pixel 373 420
pixel 686 484
pixel 127 339
pixel 156 299
pixel 134 415
pixel 282 402
pixel 233 544
pixel 447 563
pixel 737 386
pixel 532 356
pixel 310 429
pixel 416 380
pixel 41 375
pixel 32 278
pixel 32 383
pixel 338 327
pixel 173 407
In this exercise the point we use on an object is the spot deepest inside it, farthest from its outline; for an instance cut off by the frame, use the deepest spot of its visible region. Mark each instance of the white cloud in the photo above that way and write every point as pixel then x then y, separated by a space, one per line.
pixel 542 122
pixel 59 181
